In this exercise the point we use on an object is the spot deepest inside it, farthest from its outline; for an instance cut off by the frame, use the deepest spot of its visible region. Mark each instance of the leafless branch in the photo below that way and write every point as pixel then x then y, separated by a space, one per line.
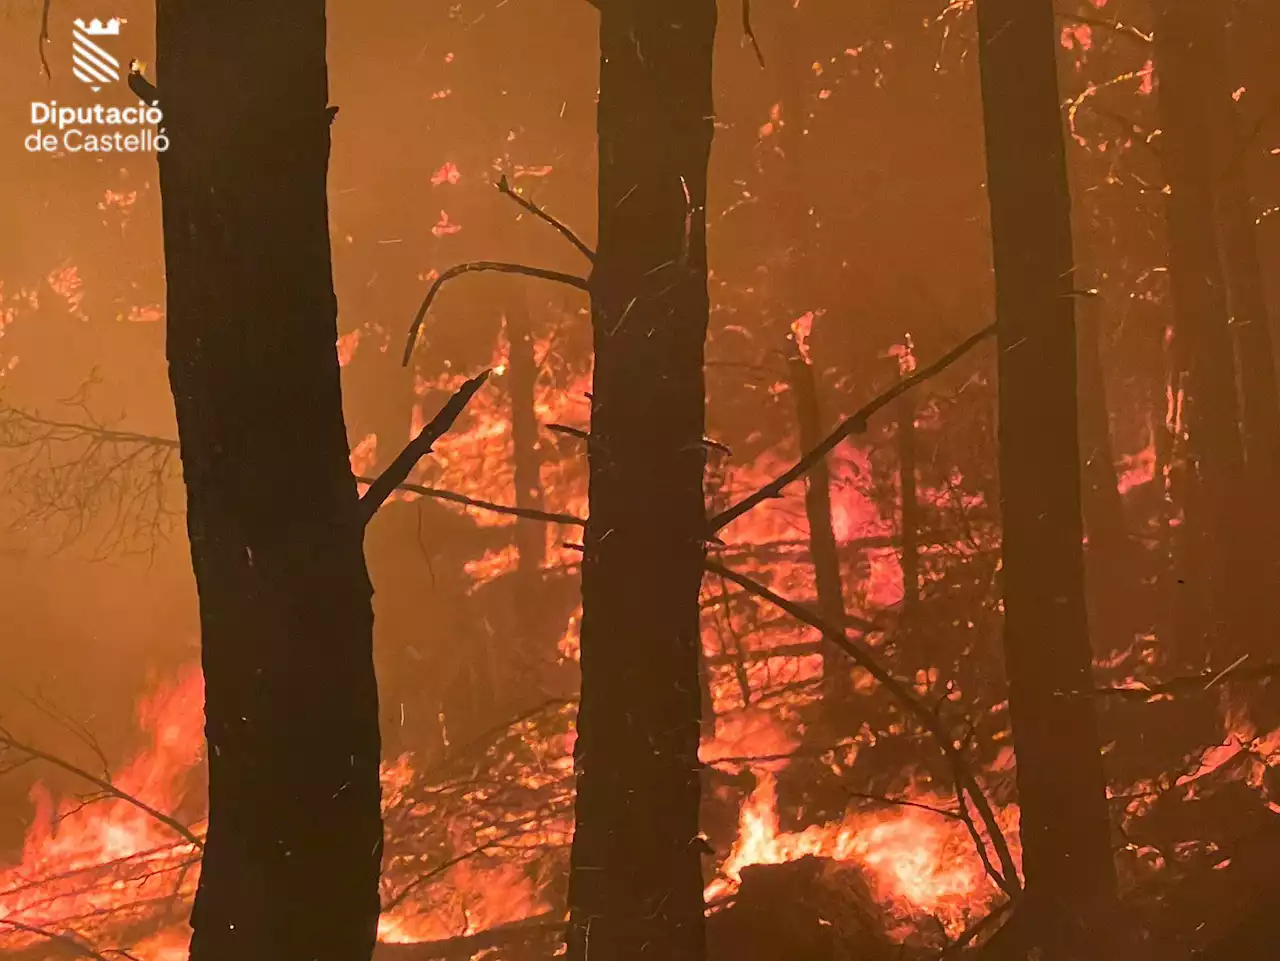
pixel 104 785
pixel 527 513
pixel 1007 876
pixel 505 188
pixel 73 941
pixel 1191 684
pixel 568 431
pixel 750 33
pixel 855 424
pixel 418 448
pixel 478 266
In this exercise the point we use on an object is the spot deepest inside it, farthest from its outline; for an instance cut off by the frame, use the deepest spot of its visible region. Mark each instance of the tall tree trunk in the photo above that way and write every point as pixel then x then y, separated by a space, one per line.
pixel 635 889
pixel 291 865
pixel 1061 788
pixel 823 553
pixel 1216 572
pixel 1110 561
pixel 1247 298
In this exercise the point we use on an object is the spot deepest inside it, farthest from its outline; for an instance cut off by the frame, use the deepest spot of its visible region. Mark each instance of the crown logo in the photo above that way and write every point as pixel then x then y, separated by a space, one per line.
pixel 96 28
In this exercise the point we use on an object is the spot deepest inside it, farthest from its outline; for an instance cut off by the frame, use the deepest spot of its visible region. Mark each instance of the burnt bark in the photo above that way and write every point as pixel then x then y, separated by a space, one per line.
pixel 635 888
pixel 1061 788
pixel 823 553
pixel 1214 568
pixel 291 863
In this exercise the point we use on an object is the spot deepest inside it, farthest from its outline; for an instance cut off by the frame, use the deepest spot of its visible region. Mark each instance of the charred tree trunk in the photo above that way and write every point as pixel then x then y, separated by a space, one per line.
pixel 823 553
pixel 635 888
pixel 1216 571
pixel 1061 788
pixel 291 865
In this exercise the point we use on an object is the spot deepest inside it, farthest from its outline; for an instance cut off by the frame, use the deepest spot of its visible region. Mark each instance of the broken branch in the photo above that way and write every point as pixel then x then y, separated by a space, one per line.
pixel 966 782
pixel 418 448
pixel 477 266
pixel 855 424
pixel 505 188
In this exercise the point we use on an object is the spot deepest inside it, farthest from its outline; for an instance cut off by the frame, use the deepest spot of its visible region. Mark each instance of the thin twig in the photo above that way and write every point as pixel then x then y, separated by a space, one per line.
pixel 855 424
pixel 477 266
pixel 418 448
pixel 1006 877
pixel 526 513
pixel 505 188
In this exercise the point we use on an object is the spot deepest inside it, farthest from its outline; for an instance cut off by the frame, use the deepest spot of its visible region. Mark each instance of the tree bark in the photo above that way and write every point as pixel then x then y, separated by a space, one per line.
pixel 635 888
pixel 291 864
pixel 1215 569
pixel 1061 787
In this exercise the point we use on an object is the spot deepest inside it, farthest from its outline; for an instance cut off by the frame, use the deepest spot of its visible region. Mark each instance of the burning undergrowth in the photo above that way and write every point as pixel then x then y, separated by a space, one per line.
pixel 831 816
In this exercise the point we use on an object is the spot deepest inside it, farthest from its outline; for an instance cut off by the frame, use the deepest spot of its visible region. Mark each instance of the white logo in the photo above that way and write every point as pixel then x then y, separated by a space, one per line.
pixel 91 63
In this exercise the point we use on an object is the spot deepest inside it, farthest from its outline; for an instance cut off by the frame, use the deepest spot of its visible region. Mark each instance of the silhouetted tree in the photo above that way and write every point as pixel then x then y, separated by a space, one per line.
pixel 1062 792
pixel 635 888
pixel 1214 571
pixel 291 866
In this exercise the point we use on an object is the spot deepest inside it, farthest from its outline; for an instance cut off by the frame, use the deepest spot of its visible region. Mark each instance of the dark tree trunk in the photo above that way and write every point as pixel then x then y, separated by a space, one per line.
pixel 295 836
pixel 823 553
pixel 1061 788
pixel 1215 570
pixel 635 889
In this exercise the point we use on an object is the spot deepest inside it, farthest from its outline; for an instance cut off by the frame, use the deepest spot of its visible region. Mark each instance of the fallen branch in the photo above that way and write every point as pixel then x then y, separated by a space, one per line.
pixel 855 424
pixel 73 941
pixel 418 448
pixel 479 266
pixel 504 187
pixel 105 786
pixel 1006 877
pixel 1191 684
pixel 467 946
pixel 568 431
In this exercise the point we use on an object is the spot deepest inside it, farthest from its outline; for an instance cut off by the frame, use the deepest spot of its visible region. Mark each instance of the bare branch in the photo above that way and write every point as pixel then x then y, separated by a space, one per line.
pixel 568 431
pixel 477 266
pixel 505 188
pixel 966 782
pixel 750 32
pixel 418 448
pixel 72 941
pixel 855 424
pixel 105 786
pixel 526 513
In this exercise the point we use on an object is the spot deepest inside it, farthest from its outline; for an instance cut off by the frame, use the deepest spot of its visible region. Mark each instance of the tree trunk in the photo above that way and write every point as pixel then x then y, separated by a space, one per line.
pixel 1061 788
pixel 295 836
pixel 635 889
pixel 823 553
pixel 1216 571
